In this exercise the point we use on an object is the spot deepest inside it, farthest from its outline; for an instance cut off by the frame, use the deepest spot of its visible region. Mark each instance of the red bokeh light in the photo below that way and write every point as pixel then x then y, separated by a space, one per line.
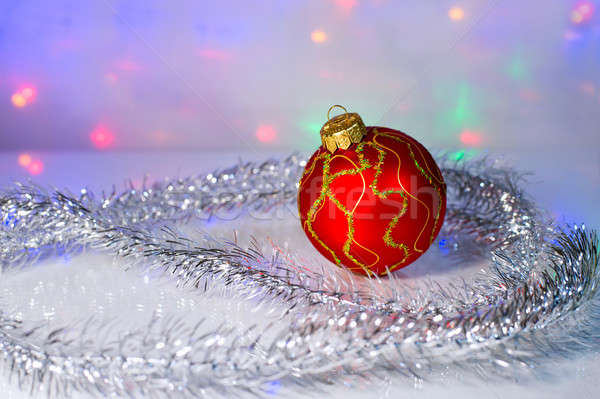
pixel 470 138
pixel 102 138
pixel 35 167
pixel 266 133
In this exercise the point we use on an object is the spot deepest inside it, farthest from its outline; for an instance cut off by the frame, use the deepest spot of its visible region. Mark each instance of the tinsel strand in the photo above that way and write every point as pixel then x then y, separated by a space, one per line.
pixel 538 278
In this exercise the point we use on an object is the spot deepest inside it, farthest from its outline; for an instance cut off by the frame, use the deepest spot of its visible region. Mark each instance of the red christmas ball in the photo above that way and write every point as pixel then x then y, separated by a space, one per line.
pixel 376 205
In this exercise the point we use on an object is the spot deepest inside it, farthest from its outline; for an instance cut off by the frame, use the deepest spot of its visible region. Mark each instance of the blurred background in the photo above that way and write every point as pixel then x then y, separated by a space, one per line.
pixel 91 94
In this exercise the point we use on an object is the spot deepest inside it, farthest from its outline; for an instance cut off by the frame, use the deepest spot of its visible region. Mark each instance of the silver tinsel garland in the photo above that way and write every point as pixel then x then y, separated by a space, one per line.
pixel 536 300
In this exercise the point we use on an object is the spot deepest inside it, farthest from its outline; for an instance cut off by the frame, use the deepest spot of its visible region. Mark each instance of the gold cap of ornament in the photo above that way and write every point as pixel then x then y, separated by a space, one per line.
pixel 342 130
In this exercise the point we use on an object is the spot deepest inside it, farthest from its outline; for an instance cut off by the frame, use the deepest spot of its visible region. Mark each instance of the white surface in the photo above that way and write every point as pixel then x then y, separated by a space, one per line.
pixel 66 290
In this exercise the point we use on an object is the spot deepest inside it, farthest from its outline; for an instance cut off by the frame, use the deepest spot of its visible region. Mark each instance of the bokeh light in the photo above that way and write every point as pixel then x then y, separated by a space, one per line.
pixel 571 35
pixel 18 100
pixel 128 65
pixel 470 138
pixel 214 54
pixel 111 77
pixel 456 13
pixel 346 5
pixel 517 68
pixel 36 167
pixel 162 138
pixel 463 155
pixel 102 138
pixel 582 12
pixel 588 88
pixel 318 36
pixel 207 68
pixel 24 96
pixel 266 133
pixel 334 75
pixel 29 93
pixel 24 159
pixel 529 94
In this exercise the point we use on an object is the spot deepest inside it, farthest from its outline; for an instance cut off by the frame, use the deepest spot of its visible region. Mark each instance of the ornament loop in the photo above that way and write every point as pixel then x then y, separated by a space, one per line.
pixel 338 106
pixel 342 130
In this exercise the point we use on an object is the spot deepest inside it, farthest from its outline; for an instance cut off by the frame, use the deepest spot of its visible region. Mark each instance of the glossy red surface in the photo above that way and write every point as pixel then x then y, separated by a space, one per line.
pixel 376 206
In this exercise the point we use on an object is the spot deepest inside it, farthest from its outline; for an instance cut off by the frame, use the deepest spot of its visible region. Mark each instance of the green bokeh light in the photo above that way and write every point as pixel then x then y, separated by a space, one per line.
pixel 458 155
pixel 310 138
pixel 518 66
pixel 464 155
pixel 461 110
pixel 517 69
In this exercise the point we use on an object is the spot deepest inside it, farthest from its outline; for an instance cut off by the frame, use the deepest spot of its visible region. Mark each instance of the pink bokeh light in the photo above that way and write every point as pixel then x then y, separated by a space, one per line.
pixel 214 54
pixel 346 5
pixel 266 133
pixel 128 65
pixel 588 88
pixel 102 138
pixel 111 77
pixel 36 167
pixel 582 12
pixel 29 92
